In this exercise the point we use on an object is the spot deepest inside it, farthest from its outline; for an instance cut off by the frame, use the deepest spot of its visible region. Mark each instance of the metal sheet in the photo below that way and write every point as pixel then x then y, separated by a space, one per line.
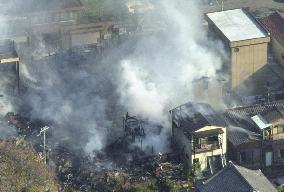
pixel 236 25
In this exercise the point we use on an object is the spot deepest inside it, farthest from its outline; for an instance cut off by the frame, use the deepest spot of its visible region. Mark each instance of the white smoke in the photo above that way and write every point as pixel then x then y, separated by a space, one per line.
pixel 151 80
pixel 158 76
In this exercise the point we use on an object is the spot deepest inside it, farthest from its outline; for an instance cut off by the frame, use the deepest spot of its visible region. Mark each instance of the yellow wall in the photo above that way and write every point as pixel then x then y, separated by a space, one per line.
pixel 246 61
pixel 278 50
pixel 203 156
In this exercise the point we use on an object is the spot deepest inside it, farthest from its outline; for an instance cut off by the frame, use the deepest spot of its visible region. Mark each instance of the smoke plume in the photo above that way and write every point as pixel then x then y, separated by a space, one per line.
pixel 158 75
pixel 83 97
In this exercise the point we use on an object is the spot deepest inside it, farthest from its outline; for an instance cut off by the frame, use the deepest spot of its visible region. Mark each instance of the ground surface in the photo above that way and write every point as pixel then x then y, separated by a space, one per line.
pixel 22 170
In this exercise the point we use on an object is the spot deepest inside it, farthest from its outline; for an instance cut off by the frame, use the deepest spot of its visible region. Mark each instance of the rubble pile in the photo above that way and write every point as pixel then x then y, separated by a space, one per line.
pixel 77 171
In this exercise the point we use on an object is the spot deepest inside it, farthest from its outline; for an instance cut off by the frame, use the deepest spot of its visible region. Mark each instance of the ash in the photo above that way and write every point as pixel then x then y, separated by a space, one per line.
pixel 106 170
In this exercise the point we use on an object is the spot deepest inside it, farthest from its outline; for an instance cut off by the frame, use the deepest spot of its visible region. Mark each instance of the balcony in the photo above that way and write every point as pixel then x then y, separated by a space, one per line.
pixel 204 147
pixel 278 136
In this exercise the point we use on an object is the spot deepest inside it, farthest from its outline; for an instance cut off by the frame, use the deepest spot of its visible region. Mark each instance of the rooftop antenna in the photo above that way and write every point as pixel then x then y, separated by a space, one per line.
pixel 43 131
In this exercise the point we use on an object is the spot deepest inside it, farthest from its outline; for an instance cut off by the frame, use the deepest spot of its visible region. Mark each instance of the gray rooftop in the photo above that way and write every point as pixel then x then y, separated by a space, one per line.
pixel 193 116
pixel 237 25
pixel 241 116
pixel 238 136
pixel 235 178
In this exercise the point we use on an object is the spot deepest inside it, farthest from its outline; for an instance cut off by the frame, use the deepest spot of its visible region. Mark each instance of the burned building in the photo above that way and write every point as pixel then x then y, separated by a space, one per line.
pixel 200 135
pixel 10 67
pixel 246 42
pixel 259 139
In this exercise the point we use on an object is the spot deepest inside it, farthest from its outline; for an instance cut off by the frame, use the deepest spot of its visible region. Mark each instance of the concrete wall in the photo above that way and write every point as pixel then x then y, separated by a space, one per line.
pixel 246 60
pixel 278 51
pixel 210 91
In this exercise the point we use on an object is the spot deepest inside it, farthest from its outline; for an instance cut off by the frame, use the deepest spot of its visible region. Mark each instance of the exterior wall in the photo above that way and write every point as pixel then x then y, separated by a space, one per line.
pixel 278 153
pixel 252 152
pixel 183 145
pixel 278 51
pixel 209 91
pixel 245 61
pixel 202 156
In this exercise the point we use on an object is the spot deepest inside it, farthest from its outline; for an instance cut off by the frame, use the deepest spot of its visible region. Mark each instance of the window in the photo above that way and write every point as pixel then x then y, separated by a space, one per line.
pixel 213 138
pixel 280 129
pixel 243 158
pixel 205 85
pixel 196 160
pixel 282 56
pixel 280 154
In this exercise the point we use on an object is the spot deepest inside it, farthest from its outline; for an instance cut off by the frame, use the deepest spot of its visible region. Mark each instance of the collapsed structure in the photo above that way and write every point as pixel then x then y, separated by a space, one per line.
pixel 10 65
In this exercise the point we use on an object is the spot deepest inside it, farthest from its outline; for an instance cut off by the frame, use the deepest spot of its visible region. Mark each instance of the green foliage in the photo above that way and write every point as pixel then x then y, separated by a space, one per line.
pixel 196 166
pixel 22 170
pixel 280 189
pixel 141 188
pixel 105 9
pixel 176 186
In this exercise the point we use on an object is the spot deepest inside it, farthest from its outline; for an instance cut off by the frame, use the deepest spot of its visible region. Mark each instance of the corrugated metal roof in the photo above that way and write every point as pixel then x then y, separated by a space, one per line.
pixel 237 25
pixel 260 121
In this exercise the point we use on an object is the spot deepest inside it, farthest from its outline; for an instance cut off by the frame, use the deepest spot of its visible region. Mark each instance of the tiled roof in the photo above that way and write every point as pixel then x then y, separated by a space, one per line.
pixel 234 178
pixel 193 116
pixel 238 136
pixel 274 23
pixel 241 116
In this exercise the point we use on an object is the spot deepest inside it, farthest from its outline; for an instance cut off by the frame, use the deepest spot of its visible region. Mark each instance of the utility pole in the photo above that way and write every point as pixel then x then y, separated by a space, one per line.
pixel 43 131
pixel 268 87
pixel 222 4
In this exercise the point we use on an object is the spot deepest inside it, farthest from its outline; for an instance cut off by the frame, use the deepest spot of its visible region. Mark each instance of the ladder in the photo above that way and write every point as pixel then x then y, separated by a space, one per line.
pixel 223 157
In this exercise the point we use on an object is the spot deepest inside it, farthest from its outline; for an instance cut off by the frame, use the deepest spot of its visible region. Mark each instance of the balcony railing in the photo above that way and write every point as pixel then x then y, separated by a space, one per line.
pixel 206 147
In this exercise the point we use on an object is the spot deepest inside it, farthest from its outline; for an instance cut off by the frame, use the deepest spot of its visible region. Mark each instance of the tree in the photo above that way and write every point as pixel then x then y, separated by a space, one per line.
pixel 21 169
pixel 106 9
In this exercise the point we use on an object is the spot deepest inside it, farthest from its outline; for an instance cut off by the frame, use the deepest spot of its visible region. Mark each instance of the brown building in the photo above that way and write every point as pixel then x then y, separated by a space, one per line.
pixel 259 138
pixel 274 23
pixel 245 39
